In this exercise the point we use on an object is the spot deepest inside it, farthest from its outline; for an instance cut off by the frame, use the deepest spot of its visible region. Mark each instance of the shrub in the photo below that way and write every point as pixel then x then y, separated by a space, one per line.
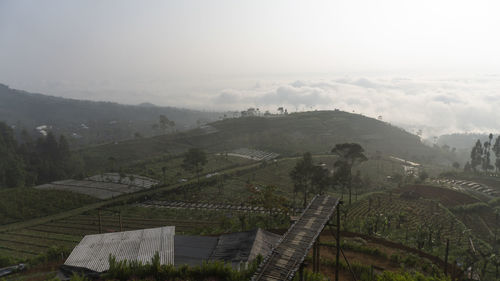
pixel 126 270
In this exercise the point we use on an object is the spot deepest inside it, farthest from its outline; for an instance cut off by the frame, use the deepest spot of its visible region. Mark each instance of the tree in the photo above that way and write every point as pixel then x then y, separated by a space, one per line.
pixel 357 183
pixel 194 160
pixel 319 179
pixel 486 164
pixel 165 123
pixel 302 175
pixel 476 155
pixel 268 198
pixel 467 167
pixel 349 155
pixel 11 163
pixel 496 151
pixel 456 165
pixel 32 162
pixel 423 176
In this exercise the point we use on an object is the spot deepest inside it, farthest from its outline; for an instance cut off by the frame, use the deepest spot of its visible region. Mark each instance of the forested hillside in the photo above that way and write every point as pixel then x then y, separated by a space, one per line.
pixel 89 122
pixel 34 161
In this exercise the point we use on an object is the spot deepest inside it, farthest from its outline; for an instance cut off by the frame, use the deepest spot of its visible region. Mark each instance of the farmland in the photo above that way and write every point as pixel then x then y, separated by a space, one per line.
pixel 397 218
pixel 27 203
pixel 415 222
pixel 103 186
pixel 157 191
pixel 35 240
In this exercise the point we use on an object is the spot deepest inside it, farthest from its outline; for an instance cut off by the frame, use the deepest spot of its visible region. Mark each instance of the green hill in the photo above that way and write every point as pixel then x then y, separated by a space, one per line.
pixel 318 131
pixel 291 134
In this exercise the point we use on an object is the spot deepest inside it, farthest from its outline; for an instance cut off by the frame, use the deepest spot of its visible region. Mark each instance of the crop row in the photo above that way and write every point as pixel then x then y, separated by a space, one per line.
pixel 14 253
pixel 33 240
pixel 90 220
pixel 21 248
pixel 39 234
pixel 411 215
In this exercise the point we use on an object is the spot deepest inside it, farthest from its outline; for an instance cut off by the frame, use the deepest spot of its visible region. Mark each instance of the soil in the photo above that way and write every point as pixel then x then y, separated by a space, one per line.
pixel 445 196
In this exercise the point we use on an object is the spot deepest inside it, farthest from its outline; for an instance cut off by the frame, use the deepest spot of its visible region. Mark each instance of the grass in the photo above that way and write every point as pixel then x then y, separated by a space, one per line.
pixel 19 204
pixel 173 172
pixel 294 134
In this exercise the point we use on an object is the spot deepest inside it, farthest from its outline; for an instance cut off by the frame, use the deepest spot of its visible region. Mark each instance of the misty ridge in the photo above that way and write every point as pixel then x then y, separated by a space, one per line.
pixel 438 105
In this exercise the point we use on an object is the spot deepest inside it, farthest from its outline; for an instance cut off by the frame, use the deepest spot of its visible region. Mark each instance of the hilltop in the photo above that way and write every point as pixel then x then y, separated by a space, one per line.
pixel 288 135
pixel 318 131
pixel 90 122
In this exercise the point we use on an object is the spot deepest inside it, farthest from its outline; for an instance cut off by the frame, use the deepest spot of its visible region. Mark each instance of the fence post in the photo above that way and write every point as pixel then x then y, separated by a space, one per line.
pixel 314 257
pixel 318 252
pixel 120 220
pixel 337 255
pixel 446 257
pixel 99 215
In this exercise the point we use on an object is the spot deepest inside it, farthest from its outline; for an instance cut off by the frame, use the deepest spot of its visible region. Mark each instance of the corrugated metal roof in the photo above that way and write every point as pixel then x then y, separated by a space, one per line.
pixel 193 250
pixel 94 250
pixel 242 247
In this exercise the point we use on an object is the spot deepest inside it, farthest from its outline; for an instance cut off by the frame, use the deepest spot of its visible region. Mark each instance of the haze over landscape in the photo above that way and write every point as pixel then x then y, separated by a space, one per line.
pixel 249 140
pixel 435 59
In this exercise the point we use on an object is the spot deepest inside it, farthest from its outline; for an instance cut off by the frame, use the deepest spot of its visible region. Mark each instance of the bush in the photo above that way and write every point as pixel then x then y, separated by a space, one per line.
pixel 406 276
pixel 474 207
pixel 410 260
pixel 126 270
pixel 395 258
pixel 310 276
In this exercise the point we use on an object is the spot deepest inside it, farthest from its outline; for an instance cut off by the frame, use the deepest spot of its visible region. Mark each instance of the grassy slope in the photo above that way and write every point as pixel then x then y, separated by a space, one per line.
pixel 20 204
pixel 293 134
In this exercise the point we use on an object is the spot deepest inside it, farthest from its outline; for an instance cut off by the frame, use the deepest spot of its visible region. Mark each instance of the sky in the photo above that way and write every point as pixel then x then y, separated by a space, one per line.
pixel 422 64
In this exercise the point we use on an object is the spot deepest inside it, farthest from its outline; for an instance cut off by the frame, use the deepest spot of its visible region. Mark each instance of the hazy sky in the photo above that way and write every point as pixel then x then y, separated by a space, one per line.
pixel 193 53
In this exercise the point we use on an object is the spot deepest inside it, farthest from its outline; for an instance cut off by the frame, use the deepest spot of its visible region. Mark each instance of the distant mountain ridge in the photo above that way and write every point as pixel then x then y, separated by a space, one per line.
pixel 90 122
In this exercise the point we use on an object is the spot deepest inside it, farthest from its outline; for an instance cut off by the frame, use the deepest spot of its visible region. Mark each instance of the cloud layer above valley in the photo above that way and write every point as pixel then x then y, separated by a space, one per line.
pixel 436 106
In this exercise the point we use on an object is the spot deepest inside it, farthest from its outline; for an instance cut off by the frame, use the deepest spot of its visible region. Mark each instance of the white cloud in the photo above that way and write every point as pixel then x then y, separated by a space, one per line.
pixel 437 106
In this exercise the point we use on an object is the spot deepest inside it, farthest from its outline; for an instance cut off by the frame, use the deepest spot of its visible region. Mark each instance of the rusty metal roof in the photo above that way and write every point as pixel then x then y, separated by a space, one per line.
pixel 94 250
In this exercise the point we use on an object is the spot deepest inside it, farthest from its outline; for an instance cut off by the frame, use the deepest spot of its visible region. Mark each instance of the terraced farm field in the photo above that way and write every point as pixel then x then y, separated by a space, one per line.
pixel 253 154
pixel 415 222
pixel 469 186
pixel 18 204
pixel 447 197
pixel 102 186
pixel 31 241
pixel 34 240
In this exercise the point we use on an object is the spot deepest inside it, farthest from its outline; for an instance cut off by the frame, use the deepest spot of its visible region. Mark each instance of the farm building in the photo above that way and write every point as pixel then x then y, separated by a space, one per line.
pixel 90 256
